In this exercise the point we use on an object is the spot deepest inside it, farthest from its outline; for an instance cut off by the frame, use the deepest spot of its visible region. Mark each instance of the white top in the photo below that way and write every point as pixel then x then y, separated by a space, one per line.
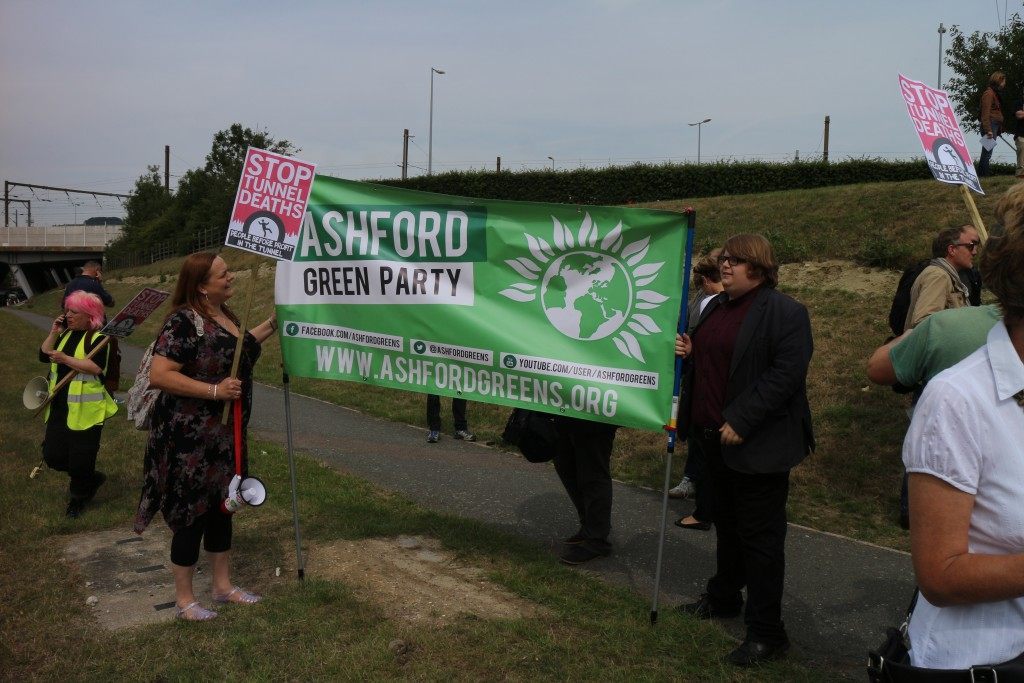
pixel 704 302
pixel 968 431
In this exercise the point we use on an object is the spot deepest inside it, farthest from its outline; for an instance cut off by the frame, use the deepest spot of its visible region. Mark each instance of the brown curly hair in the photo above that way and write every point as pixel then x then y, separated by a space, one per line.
pixel 1002 260
pixel 1010 208
pixel 706 269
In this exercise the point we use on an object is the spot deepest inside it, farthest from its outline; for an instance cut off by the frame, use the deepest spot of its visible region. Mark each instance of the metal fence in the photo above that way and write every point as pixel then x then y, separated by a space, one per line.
pixel 204 239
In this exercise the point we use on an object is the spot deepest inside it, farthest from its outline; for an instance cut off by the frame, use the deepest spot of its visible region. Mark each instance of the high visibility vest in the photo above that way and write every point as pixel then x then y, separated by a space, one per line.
pixel 89 404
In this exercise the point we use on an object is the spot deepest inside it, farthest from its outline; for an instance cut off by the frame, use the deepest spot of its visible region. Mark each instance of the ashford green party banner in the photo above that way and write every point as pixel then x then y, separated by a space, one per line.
pixel 558 308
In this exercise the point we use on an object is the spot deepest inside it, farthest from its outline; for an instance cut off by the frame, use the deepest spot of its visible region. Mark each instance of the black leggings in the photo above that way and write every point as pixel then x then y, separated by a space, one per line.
pixel 213 528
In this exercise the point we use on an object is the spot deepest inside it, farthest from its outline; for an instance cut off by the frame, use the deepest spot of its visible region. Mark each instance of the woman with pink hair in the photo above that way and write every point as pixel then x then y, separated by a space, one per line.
pixel 75 416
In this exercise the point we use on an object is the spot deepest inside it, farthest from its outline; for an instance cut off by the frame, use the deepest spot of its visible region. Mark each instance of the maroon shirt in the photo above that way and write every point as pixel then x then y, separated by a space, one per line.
pixel 713 345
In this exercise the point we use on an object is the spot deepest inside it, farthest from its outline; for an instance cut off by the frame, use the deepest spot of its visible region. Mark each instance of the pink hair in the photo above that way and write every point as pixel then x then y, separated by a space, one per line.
pixel 87 303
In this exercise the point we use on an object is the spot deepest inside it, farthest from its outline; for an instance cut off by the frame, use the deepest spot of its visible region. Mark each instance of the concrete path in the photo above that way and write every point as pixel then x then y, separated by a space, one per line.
pixel 840 594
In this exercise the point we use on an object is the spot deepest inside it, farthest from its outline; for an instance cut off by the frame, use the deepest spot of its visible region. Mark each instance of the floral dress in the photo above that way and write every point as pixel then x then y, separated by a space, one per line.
pixel 190 455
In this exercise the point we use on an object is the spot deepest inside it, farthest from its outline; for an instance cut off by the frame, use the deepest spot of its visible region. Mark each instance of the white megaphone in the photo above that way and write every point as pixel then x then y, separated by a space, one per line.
pixel 35 392
pixel 248 491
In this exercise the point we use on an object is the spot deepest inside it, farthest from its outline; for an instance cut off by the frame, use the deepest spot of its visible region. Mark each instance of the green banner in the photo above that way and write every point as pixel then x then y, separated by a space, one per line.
pixel 558 308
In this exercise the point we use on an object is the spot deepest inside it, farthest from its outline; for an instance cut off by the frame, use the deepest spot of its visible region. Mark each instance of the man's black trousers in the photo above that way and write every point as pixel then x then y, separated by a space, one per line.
pixel 750 522
pixel 583 463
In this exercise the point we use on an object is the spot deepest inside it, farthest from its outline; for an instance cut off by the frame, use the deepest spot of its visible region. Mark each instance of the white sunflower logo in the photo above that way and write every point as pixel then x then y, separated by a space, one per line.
pixel 589 292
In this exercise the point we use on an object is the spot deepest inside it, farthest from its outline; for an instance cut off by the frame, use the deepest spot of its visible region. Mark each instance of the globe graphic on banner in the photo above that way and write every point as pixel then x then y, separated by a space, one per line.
pixel 586 295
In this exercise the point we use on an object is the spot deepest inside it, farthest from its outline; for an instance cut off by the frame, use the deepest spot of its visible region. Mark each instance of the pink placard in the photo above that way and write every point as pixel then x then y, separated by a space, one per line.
pixel 270 203
pixel 137 310
pixel 941 138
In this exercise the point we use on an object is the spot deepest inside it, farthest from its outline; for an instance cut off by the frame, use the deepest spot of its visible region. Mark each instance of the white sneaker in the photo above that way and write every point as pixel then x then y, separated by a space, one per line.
pixel 685 489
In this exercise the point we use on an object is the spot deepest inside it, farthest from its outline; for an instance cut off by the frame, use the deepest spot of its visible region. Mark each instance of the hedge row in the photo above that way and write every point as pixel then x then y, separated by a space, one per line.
pixel 649 183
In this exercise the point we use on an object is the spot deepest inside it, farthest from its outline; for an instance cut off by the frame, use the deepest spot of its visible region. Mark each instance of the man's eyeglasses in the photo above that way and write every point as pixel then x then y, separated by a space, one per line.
pixel 972 246
pixel 731 260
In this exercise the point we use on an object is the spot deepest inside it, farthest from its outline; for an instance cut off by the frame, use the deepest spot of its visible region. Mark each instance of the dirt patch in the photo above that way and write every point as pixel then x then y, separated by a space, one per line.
pixel 128 577
pixel 128 583
pixel 837 274
pixel 414 580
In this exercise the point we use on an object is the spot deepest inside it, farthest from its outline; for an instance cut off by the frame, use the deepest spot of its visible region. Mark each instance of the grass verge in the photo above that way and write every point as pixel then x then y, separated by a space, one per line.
pixel 850 486
pixel 319 629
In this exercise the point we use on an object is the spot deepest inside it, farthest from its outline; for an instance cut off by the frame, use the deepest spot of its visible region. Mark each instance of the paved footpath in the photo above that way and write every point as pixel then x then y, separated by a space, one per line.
pixel 840 594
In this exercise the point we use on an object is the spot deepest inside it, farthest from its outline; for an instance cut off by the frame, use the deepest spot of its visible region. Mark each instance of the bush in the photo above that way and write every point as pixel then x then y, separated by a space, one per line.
pixel 649 183
pixel 882 252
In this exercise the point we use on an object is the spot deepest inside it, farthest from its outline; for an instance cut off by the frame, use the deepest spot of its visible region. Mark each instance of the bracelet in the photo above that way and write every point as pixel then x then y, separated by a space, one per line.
pixel 214 392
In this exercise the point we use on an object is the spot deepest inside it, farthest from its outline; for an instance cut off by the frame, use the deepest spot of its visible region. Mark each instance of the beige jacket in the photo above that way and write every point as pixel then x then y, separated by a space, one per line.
pixel 937 288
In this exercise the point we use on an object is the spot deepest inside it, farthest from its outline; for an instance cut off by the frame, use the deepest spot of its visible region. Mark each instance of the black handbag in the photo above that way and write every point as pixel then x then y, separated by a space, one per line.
pixel 533 433
pixel 890 663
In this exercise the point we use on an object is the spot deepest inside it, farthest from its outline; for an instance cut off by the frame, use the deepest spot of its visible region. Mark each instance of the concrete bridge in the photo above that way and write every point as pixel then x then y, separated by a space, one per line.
pixel 42 258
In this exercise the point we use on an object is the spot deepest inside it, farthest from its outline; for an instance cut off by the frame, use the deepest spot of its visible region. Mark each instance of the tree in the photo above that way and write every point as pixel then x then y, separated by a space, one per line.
pixel 204 196
pixel 147 203
pixel 228 151
pixel 211 189
pixel 974 58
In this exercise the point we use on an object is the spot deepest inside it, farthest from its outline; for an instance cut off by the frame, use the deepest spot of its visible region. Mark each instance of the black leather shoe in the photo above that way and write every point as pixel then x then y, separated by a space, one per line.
pixel 753 653
pixel 696 524
pixel 575 539
pixel 580 553
pixel 74 509
pixel 703 609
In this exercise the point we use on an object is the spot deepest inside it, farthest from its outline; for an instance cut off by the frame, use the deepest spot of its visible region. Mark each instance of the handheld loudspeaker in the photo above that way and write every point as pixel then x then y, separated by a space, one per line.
pixel 248 491
pixel 35 392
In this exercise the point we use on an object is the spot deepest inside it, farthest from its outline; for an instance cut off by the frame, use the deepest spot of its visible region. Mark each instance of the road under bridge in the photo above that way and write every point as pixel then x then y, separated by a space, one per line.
pixel 42 258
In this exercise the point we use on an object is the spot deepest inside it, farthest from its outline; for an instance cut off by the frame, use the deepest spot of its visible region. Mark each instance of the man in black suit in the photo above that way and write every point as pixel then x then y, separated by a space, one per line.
pixel 90 280
pixel 745 401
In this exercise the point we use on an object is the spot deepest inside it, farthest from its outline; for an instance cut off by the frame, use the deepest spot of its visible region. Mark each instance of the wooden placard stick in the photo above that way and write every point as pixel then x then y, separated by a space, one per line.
pixel 242 329
pixel 973 210
pixel 68 377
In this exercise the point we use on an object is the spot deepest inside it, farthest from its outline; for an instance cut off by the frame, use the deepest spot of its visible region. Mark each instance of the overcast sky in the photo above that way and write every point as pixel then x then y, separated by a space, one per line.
pixel 92 91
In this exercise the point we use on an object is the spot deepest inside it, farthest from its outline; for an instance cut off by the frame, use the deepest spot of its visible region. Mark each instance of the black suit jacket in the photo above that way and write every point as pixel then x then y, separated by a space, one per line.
pixel 766 392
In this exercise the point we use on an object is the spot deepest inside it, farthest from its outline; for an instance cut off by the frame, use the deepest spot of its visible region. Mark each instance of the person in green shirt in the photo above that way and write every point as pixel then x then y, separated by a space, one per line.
pixel 940 341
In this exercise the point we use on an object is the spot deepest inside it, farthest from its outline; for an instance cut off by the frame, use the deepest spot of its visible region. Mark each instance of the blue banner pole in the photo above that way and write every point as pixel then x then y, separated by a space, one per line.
pixel 670 428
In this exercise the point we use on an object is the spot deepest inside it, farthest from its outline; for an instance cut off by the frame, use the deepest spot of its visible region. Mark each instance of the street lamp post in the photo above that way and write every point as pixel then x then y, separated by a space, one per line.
pixel 552 163
pixel 430 134
pixel 699 124
pixel 942 29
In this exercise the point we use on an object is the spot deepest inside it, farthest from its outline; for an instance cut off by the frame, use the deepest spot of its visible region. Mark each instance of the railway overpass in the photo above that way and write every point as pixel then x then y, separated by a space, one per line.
pixel 42 258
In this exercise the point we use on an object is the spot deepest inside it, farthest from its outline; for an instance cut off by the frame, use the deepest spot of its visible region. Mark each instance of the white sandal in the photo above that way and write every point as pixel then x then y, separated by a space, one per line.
pixel 244 597
pixel 195 612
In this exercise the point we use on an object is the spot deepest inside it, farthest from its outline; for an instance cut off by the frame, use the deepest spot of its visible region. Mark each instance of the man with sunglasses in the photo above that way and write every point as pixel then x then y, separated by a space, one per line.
pixel 939 285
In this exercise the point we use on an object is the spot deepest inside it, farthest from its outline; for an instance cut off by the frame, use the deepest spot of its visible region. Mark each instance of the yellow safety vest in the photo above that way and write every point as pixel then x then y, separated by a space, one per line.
pixel 89 404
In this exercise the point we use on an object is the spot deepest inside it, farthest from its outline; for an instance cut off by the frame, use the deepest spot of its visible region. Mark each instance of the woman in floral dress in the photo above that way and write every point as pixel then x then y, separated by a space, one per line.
pixel 190 455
